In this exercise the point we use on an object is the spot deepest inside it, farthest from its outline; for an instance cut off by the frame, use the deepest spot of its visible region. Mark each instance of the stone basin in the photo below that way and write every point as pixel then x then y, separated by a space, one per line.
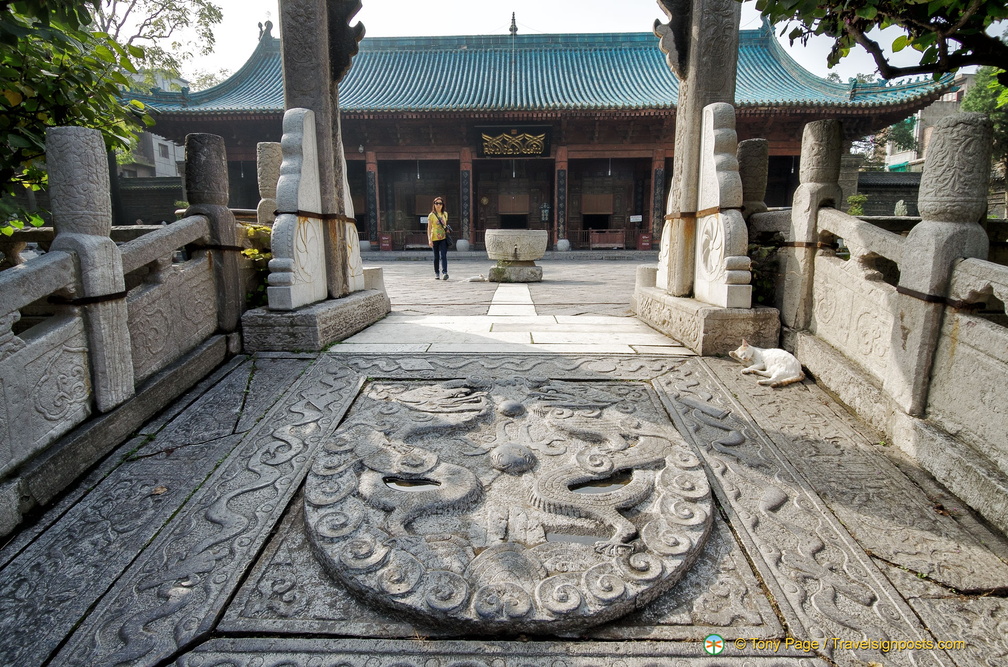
pixel 516 245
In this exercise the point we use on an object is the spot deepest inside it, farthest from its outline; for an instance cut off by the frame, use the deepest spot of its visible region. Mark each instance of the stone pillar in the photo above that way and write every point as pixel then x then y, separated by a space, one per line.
pixel 819 174
pixel 206 178
pixel 754 160
pixel 316 47
pixel 701 44
pixel 466 233
pixel 850 167
pixel 268 159
pixel 373 205
pixel 82 216
pixel 560 203
pixel 952 201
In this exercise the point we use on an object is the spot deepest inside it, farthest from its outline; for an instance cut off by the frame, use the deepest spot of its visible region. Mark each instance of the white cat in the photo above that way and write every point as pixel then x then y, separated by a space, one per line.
pixel 779 367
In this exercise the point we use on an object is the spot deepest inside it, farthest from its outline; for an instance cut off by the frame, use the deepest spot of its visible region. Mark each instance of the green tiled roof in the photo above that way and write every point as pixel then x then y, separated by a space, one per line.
pixel 535 73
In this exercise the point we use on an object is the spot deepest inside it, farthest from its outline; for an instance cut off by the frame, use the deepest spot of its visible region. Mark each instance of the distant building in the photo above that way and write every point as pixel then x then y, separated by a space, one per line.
pixel 572 133
pixel 154 157
pixel 924 122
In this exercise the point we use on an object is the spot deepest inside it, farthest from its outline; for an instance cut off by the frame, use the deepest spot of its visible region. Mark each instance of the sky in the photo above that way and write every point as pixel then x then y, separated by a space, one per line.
pixel 238 33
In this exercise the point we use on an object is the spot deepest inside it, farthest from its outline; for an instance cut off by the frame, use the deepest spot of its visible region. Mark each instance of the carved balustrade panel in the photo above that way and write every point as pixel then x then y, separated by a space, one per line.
pixel 853 311
pixel 969 390
pixel 171 315
pixel 45 386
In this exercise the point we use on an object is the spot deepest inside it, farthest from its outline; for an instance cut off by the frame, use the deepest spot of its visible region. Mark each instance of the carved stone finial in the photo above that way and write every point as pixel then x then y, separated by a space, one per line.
pixel 821 152
pixel 957 169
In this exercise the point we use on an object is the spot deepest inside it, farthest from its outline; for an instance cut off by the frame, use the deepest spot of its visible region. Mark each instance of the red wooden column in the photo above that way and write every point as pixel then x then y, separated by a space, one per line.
pixel 372 202
pixel 560 202
pixel 468 230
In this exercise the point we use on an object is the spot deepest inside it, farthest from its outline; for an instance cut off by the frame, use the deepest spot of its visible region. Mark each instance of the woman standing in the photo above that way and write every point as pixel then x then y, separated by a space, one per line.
pixel 437 237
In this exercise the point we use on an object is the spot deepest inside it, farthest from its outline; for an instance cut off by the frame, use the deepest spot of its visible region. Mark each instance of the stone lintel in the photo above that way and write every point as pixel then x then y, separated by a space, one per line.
pixel 314 327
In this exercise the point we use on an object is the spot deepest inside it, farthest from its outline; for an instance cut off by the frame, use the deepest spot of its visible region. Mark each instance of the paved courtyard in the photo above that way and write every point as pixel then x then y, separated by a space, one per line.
pixel 224 531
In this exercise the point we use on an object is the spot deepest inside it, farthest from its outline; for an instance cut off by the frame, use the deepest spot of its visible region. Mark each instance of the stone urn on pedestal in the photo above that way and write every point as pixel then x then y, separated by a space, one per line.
pixel 516 251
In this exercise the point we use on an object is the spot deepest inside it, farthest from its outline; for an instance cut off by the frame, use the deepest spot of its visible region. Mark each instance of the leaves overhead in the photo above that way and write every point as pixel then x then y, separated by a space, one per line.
pixel 55 71
pixel 987 95
pixel 947 34
pixel 170 32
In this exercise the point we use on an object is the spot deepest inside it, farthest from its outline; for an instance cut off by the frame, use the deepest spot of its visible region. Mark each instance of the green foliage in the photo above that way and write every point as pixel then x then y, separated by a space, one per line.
pixel 989 96
pixel 159 28
pixel 204 79
pixel 947 34
pixel 259 256
pixel 54 72
pixel 902 134
pixel 855 204
pixel 765 269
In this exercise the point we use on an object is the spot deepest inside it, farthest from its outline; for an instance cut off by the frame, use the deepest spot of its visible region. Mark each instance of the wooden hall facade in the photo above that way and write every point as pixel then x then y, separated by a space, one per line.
pixel 571 133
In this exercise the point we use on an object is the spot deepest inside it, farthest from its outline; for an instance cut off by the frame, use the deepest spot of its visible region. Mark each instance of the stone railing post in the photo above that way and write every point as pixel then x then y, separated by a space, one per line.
pixel 269 155
pixel 754 160
pixel 820 175
pixel 952 200
pixel 206 180
pixel 82 216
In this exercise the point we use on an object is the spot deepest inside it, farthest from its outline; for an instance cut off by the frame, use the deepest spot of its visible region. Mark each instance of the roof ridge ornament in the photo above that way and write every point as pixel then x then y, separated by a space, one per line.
pixel 266 30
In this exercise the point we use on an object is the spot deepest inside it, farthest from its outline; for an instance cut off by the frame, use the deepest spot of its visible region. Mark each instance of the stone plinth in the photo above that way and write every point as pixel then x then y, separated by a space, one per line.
pixel 315 327
pixel 515 272
pixel 516 251
pixel 705 329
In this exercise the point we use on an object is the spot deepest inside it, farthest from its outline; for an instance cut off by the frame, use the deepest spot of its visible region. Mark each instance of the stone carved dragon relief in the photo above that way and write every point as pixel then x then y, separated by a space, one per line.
pixel 508 505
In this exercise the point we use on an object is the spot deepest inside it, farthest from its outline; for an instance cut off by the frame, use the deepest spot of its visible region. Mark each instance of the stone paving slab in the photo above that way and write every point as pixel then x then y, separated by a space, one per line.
pixel 574 325
pixel 424 653
pixel 821 533
pixel 883 509
pixel 289 593
pixel 588 338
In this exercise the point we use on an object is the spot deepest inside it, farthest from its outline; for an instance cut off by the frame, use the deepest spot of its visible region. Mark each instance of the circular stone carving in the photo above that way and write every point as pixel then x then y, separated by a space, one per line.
pixel 520 506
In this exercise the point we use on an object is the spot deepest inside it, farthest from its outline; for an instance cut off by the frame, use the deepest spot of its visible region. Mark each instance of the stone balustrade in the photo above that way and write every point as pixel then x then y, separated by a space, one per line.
pixel 105 333
pixel 909 330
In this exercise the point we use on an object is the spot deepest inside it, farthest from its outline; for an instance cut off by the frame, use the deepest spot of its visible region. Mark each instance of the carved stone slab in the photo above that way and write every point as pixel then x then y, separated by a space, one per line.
pixel 422 653
pixel 171 316
pixel 825 586
pixel 522 505
pixel 167 602
pixel 297 270
pixel 355 265
pixel 44 386
pixel 876 502
pixel 289 593
pixel 189 571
